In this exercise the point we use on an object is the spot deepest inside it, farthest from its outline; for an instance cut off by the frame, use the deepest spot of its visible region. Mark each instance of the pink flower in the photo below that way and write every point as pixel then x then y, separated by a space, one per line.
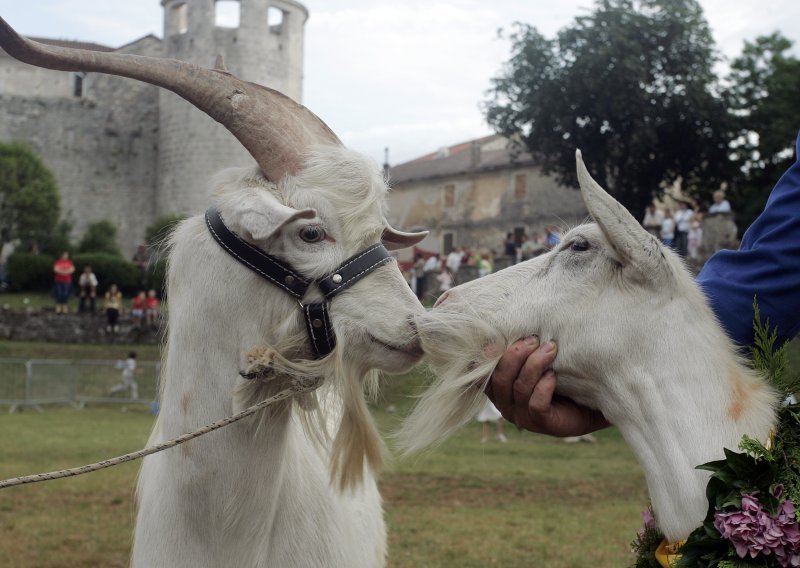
pixel 753 531
pixel 648 518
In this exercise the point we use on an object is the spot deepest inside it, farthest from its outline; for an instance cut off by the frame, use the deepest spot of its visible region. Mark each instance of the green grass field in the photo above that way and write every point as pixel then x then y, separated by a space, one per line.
pixel 534 501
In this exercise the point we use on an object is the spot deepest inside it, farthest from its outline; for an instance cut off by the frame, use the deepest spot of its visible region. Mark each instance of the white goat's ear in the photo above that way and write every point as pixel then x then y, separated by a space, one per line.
pixel 393 239
pixel 259 218
pixel 633 244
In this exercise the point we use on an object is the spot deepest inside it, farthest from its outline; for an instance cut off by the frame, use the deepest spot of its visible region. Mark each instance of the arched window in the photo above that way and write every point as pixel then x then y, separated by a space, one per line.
pixel 275 17
pixel 227 13
pixel 179 19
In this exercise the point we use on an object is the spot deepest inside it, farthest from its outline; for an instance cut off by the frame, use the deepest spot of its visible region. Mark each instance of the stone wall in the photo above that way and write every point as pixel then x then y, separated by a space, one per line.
pixel 128 152
pixel 45 325
pixel 103 158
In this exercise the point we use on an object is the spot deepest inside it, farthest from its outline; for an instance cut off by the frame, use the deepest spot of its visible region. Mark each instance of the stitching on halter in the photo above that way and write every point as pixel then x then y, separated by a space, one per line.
pixel 327 326
pixel 244 261
pixel 355 276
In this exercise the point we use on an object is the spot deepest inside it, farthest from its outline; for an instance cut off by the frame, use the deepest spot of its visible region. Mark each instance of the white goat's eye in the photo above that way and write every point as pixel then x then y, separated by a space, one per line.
pixel 580 246
pixel 312 233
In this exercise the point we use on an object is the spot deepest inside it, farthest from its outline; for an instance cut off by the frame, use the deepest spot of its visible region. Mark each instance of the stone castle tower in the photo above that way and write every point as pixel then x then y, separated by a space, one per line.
pixel 129 152
pixel 193 147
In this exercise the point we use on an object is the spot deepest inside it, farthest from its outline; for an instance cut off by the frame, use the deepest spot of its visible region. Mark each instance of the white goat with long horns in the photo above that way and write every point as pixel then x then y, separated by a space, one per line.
pixel 636 340
pixel 272 490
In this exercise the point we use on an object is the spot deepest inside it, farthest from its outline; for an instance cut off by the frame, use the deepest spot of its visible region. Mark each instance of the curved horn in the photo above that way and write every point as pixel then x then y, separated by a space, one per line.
pixel 393 239
pixel 272 127
pixel 634 245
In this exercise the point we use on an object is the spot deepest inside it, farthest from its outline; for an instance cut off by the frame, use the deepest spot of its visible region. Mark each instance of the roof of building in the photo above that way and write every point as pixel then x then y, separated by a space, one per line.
pixel 482 154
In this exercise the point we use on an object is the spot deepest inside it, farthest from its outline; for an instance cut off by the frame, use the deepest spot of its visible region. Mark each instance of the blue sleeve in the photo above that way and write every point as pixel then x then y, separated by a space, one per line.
pixel 767 265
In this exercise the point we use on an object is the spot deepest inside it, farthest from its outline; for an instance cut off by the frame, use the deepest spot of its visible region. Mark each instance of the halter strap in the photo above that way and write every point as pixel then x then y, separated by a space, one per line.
pixel 281 274
pixel 268 267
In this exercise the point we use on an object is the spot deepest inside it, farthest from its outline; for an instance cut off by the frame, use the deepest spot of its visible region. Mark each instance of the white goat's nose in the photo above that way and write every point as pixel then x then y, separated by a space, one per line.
pixel 442 299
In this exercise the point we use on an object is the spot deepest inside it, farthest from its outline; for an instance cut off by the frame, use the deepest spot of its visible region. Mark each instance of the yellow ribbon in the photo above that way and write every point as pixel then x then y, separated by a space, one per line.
pixel 667 554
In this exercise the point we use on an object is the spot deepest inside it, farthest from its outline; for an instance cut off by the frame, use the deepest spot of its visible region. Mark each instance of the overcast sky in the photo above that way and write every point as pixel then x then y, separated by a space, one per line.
pixel 407 74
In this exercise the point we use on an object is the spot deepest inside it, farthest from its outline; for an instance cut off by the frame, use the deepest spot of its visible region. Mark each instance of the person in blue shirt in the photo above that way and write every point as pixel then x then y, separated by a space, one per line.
pixel 766 266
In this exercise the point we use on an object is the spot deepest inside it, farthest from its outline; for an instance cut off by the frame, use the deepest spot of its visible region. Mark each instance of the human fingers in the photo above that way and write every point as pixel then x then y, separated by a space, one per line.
pixel 501 383
pixel 560 416
pixel 533 371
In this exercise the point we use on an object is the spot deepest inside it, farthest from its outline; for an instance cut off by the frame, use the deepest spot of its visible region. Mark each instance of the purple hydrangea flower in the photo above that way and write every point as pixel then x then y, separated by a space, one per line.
pixel 752 530
pixel 649 522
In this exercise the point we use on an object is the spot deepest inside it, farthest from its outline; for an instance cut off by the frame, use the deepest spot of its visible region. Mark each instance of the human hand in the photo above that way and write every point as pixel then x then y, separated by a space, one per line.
pixel 522 387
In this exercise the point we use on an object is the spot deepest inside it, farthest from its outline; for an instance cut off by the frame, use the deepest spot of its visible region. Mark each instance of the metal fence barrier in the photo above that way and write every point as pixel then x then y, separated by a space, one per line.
pixel 77 382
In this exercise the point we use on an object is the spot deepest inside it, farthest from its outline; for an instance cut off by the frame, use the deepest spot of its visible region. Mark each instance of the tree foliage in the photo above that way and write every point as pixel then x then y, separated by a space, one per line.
pixel 100 237
pixel 29 200
pixel 631 85
pixel 763 94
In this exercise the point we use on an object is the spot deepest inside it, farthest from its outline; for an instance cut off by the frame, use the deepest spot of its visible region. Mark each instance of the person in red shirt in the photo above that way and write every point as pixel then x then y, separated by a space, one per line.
pixel 137 308
pixel 62 290
pixel 151 308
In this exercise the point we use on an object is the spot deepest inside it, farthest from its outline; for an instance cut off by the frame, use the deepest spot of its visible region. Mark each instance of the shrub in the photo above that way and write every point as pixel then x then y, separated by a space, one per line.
pixel 30 272
pixel 100 237
pixel 110 269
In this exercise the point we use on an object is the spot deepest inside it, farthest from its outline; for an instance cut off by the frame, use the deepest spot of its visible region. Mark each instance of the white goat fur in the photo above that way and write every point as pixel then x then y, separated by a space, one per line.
pixel 273 490
pixel 636 340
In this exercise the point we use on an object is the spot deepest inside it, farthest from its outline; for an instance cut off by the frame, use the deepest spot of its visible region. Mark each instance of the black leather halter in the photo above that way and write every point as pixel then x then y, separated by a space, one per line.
pixel 282 275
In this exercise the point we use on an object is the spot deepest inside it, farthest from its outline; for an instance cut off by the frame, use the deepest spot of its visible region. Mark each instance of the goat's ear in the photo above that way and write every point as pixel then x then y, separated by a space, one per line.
pixel 261 216
pixel 393 239
pixel 633 244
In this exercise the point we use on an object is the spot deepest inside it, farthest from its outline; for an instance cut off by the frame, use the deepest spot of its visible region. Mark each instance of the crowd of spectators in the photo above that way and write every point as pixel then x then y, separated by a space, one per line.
pixel 682 228
pixel 144 307
pixel 428 268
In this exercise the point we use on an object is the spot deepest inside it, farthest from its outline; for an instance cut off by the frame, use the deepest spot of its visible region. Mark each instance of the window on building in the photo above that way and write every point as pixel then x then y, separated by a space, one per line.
pixel 179 19
pixel 77 85
pixel 275 17
pixel 520 186
pixel 226 13
pixel 450 195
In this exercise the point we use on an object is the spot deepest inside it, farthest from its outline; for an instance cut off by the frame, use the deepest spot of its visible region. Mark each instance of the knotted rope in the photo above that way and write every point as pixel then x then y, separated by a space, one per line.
pixel 299 386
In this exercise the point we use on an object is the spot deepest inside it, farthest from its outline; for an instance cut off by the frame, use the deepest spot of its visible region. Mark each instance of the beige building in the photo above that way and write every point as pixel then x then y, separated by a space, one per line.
pixel 473 194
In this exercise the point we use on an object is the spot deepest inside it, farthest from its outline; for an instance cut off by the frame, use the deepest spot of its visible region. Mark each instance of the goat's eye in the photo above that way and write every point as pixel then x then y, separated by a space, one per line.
pixel 312 233
pixel 580 246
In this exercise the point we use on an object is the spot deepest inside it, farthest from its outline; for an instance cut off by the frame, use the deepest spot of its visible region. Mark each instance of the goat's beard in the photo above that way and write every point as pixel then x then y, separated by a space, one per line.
pixel 339 403
pixel 462 351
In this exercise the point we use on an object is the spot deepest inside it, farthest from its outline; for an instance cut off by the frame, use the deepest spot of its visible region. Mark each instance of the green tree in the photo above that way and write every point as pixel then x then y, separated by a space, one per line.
pixel 29 200
pixel 631 85
pixel 100 236
pixel 763 94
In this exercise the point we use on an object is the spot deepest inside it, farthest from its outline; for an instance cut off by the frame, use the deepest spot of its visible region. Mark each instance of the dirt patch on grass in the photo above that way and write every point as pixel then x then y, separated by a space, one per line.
pixel 466 490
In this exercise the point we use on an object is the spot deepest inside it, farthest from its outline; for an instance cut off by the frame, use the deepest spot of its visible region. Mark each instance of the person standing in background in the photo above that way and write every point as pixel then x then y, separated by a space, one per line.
pixel 87 290
pixel 453 263
pixel 112 304
pixel 63 269
pixel 683 221
pixel 151 309
pixel 668 229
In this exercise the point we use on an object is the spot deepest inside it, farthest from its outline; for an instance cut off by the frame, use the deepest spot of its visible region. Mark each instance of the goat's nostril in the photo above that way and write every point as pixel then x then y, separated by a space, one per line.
pixel 442 299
